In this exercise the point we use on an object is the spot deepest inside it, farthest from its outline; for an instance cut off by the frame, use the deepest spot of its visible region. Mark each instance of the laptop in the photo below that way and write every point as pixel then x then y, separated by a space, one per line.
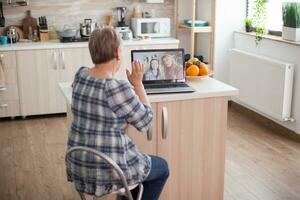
pixel 164 70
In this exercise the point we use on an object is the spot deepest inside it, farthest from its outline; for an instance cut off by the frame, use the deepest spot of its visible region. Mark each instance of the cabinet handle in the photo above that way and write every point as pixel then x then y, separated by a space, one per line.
pixel 2 61
pixel 4 105
pixel 62 54
pixel 3 89
pixel 55 60
pixel 164 125
pixel 150 133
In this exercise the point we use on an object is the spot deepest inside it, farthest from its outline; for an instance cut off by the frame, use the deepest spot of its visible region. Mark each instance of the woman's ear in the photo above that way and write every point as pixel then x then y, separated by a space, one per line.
pixel 118 53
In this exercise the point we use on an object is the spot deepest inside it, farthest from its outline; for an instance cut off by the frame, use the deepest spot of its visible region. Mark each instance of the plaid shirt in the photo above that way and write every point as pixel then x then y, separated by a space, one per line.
pixel 102 109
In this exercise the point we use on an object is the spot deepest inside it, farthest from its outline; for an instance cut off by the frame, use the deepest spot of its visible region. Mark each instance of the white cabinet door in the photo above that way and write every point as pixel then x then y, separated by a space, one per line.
pixel 40 71
pixel 71 60
pixel 9 93
pixel 38 74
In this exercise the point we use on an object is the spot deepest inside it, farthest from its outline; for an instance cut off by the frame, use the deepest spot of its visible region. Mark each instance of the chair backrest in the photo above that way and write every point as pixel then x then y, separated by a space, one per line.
pixel 108 160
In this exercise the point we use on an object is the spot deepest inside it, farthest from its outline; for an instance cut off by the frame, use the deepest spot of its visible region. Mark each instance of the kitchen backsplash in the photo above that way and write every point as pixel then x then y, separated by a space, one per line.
pixel 73 12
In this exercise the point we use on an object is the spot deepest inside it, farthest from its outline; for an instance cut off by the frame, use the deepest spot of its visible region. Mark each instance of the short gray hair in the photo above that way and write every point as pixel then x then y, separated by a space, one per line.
pixel 103 44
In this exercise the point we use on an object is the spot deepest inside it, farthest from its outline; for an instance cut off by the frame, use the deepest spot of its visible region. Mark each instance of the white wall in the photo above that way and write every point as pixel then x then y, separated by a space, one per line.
pixel 280 51
pixel 230 17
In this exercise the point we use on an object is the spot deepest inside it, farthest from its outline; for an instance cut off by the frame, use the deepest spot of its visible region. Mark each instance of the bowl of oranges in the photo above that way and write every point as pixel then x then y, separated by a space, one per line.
pixel 195 69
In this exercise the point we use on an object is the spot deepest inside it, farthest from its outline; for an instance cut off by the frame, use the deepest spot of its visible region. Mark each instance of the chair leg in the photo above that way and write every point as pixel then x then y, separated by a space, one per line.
pixel 141 190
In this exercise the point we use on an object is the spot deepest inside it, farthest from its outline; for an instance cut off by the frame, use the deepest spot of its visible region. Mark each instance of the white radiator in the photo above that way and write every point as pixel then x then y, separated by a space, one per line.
pixel 265 85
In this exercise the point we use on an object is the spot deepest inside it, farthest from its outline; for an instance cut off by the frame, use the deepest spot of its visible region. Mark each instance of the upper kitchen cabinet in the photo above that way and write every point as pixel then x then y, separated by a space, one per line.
pixel 9 93
pixel 38 74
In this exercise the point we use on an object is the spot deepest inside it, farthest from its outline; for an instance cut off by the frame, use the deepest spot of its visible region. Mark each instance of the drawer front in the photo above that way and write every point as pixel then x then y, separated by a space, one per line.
pixel 9 92
pixel 9 108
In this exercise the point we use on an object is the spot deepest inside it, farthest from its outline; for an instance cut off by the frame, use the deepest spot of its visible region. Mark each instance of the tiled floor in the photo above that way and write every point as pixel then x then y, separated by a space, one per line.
pixel 259 164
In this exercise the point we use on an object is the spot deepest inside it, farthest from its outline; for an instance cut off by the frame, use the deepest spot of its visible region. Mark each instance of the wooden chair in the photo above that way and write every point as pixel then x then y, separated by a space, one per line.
pixel 125 191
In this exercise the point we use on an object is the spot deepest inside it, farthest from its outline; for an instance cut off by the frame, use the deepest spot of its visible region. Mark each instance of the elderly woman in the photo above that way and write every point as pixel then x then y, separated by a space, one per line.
pixel 171 68
pixel 102 107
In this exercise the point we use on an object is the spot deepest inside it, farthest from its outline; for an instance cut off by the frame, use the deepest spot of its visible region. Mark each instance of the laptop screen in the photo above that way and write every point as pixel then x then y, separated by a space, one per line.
pixel 161 65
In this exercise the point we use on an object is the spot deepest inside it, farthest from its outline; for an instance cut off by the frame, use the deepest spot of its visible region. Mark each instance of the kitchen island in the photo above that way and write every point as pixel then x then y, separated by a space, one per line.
pixel 188 130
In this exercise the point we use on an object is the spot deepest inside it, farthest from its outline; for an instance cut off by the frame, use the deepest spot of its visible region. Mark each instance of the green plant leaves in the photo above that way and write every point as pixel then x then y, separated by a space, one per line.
pixel 260 20
pixel 260 14
pixel 291 14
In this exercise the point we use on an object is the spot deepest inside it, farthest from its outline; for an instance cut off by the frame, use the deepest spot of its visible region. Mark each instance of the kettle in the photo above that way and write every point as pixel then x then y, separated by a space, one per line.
pixel 87 27
pixel 12 35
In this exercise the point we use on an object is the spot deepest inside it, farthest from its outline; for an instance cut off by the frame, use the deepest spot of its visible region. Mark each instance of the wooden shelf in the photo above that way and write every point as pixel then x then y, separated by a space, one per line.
pixel 192 31
pixel 202 29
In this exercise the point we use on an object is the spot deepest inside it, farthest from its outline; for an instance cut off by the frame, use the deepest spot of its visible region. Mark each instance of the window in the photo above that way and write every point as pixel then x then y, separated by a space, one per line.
pixel 274 13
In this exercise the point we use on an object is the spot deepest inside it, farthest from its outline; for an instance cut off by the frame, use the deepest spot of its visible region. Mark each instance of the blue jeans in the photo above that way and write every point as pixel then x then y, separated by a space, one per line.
pixel 154 183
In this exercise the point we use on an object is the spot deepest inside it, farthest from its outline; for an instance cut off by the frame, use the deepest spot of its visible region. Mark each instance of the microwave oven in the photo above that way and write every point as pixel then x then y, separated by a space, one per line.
pixel 152 27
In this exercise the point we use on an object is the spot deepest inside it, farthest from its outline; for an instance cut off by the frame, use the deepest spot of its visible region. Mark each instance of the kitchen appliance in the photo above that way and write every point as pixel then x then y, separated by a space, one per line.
pixel 2 19
pixel 67 32
pixel 121 12
pixel 124 33
pixel 87 27
pixel 12 35
pixel 152 27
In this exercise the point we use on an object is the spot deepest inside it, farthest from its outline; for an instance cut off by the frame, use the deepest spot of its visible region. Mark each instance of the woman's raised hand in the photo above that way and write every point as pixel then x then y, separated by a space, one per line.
pixel 136 75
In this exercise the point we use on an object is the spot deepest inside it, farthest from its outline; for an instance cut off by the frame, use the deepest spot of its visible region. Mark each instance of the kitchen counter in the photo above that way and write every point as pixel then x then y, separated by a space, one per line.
pixel 55 44
pixel 205 88
pixel 189 130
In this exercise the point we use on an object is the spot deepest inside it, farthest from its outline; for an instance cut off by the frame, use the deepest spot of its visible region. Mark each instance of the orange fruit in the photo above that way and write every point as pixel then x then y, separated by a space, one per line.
pixel 203 69
pixel 192 70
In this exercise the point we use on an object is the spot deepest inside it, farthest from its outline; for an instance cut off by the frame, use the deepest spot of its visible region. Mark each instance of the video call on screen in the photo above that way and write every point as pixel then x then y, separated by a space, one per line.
pixel 164 65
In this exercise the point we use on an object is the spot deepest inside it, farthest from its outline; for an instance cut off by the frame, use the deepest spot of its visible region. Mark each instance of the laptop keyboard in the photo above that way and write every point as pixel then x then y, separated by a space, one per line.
pixel 164 85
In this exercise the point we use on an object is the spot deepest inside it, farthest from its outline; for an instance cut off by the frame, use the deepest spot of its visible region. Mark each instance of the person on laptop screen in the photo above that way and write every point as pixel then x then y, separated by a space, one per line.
pixel 153 72
pixel 171 69
pixel 164 70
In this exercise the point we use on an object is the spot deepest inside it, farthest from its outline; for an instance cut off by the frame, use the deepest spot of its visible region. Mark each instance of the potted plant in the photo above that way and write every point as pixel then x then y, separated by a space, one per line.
pixel 291 21
pixel 248 25
pixel 259 20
